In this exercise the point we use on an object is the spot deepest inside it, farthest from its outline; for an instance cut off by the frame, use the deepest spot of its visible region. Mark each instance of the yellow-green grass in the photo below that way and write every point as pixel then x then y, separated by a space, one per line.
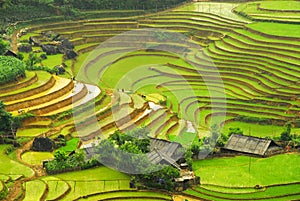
pixel 185 138
pixel 29 75
pixel 1 186
pixel 158 129
pixel 26 37
pixel 79 62
pixel 134 195
pixel 224 50
pixel 280 193
pixel 80 47
pixel 257 129
pixel 138 101
pixel 229 171
pixel 208 16
pixel 99 173
pixel 239 103
pixel 184 73
pixel 56 188
pixel 36 158
pixel 40 123
pixel 118 71
pixel 154 116
pixel 125 99
pixel 99 108
pixel 221 9
pixel 260 39
pixel 273 59
pixel 177 131
pixel 199 18
pixel 93 180
pixel 34 190
pixel 71 145
pixel 280 48
pixel 229 75
pixel 83 60
pixel 205 31
pixel 286 75
pixel 43 77
pixel 31 132
pixel 53 60
pixel 280 5
pixel 268 193
pixel 291 56
pixel 4 178
pixel 252 11
pixel 224 189
pixel 276 29
pixel 189 22
pixel 11 167
pixel 269 114
pixel 155 98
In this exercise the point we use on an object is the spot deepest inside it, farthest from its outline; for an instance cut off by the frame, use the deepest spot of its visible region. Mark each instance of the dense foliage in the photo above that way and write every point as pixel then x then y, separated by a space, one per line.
pixel 22 10
pixel 126 151
pixel 121 4
pixel 10 124
pixel 288 138
pixel 11 69
pixel 6 120
pixel 66 162
pixel 3 46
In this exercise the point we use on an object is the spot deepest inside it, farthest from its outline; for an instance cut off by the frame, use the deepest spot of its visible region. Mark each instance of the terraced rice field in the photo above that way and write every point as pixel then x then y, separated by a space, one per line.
pixel 219 186
pixel 176 72
pixel 278 11
pixel 104 184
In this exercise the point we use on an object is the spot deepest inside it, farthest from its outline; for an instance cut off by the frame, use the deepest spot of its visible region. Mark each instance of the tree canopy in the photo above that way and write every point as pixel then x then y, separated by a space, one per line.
pixel 127 151
pixel 11 69
pixel 6 120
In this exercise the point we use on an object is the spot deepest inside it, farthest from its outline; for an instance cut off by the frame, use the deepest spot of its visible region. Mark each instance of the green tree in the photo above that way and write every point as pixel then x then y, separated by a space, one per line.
pixel 60 156
pixel 33 59
pixel 188 158
pixel 4 4
pixel 237 131
pixel 286 135
pixel 6 121
pixel 3 46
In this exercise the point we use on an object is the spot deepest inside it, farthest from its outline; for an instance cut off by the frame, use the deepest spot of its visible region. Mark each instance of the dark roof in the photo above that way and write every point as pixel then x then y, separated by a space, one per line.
pixel 248 144
pixel 165 151
pixel 89 152
pixel 10 53
pixel 160 151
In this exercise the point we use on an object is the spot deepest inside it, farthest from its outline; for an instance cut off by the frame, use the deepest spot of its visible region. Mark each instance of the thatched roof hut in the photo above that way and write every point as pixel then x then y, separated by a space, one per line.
pixel 251 145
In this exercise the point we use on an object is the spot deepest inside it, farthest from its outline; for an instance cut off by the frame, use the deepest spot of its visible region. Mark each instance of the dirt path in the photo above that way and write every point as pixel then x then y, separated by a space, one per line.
pixel 14 41
pixel 14 191
pixel 184 198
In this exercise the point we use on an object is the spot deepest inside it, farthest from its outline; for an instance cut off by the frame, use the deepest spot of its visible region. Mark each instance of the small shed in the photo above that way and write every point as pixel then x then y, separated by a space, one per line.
pixel 165 152
pixel 251 145
pixel 10 53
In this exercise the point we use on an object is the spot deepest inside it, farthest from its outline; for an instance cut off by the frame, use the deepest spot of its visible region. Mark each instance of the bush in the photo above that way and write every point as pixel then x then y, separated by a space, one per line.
pixel 259 120
pixel 42 68
pixel 9 150
pixel 11 69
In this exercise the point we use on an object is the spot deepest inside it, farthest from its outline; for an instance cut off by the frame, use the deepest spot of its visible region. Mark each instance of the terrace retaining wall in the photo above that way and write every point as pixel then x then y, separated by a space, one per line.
pixel 62 103
pixel 42 99
pixel 50 83
pixel 19 86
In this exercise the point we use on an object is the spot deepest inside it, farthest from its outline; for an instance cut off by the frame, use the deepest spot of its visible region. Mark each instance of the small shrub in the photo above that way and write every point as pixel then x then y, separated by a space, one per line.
pixel 9 150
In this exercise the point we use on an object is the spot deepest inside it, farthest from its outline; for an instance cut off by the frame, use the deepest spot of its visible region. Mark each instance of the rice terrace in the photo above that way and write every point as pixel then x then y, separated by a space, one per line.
pixel 149 100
